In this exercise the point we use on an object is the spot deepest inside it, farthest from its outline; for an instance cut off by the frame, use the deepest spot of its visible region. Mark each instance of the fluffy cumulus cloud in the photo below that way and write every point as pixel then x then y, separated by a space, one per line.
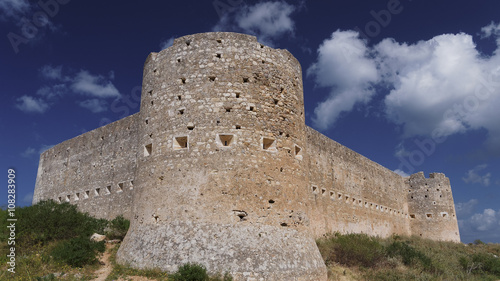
pixel 344 65
pixel 267 20
pixel 90 90
pixel 491 30
pixel 485 224
pixel 30 104
pixel 474 176
pixel 437 87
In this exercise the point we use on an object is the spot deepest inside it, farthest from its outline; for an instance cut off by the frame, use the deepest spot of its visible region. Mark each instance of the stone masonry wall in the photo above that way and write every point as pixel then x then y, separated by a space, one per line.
pixel 350 193
pixel 95 171
pixel 219 168
pixel 220 174
pixel 432 211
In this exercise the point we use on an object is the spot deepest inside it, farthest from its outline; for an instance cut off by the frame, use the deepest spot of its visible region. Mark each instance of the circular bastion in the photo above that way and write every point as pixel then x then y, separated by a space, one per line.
pixel 220 178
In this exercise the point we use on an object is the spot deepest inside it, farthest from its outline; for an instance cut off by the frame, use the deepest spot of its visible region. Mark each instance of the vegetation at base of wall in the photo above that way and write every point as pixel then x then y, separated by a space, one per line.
pixel 78 252
pixel 408 258
pixel 53 242
pixel 117 228
pixel 49 221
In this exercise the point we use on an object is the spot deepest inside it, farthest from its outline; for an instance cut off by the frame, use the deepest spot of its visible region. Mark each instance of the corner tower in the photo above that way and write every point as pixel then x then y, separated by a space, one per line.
pixel 431 207
pixel 220 176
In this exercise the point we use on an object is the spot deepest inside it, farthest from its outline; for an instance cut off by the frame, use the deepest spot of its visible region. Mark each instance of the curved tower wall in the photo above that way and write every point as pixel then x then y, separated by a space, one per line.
pixel 431 206
pixel 221 180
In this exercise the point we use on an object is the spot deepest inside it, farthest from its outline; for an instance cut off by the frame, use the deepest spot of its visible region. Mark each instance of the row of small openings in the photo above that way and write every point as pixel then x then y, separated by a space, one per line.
pixel 223 140
pixel 427 196
pixel 212 78
pixel 437 189
pixel 355 201
pixel 97 192
pixel 430 215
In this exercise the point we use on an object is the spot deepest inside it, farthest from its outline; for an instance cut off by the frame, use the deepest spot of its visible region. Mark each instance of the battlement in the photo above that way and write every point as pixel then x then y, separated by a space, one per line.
pixel 218 167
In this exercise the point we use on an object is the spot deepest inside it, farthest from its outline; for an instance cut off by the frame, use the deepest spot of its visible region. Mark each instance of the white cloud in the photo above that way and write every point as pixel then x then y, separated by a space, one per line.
pixel 28 152
pixel 53 91
pixel 473 176
pixel 266 20
pixel 51 72
pixel 401 173
pixel 344 65
pixel 491 30
pixel 13 8
pixel 484 226
pixel 94 85
pixel 464 209
pixel 29 104
pixel 82 83
pixel 94 105
pixel 167 43
pixel 441 86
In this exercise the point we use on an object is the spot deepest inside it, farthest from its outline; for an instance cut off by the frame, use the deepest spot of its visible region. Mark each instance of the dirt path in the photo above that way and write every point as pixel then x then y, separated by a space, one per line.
pixel 104 271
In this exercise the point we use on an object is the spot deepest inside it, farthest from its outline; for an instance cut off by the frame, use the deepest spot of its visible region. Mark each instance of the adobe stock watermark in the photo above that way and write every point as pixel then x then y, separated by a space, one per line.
pixel 470 104
pixel 40 19
pixel 223 7
pixel 124 105
pixel 11 220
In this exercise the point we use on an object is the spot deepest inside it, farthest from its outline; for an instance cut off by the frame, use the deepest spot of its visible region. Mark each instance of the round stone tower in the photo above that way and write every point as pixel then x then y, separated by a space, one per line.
pixel 220 178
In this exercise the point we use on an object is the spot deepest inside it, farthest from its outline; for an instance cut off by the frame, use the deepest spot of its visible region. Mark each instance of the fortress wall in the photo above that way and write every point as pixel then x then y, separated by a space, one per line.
pixel 95 170
pixel 221 115
pixel 350 193
pixel 432 210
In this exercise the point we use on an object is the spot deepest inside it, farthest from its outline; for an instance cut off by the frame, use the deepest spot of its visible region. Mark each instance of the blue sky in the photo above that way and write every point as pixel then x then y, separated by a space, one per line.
pixel 412 85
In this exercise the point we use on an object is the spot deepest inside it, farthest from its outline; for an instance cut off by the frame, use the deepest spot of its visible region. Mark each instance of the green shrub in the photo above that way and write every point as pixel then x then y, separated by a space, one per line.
pixel 49 221
pixel 408 254
pixel 78 252
pixel 481 263
pixel 191 272
pixel 117 228
pixel 352 250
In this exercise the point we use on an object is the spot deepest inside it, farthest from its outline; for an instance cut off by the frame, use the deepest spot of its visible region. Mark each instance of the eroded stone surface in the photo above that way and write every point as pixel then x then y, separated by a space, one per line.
pixel 219 168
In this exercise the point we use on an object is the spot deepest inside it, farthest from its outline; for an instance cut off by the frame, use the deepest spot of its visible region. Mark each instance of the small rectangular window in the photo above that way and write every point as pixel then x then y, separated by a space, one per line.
pixel 298 152
pixel 120 187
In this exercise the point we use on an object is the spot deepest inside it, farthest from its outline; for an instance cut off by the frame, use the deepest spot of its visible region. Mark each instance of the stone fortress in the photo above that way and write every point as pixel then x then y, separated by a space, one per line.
pixel 219 168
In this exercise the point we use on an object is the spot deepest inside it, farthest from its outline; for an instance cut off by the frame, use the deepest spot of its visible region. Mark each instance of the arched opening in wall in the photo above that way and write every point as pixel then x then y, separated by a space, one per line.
pixel 180 142
pixel 148 148
pixel 269 144
pixel 298 152
pixel 86 194
pixel 97 192
pixel 224 140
